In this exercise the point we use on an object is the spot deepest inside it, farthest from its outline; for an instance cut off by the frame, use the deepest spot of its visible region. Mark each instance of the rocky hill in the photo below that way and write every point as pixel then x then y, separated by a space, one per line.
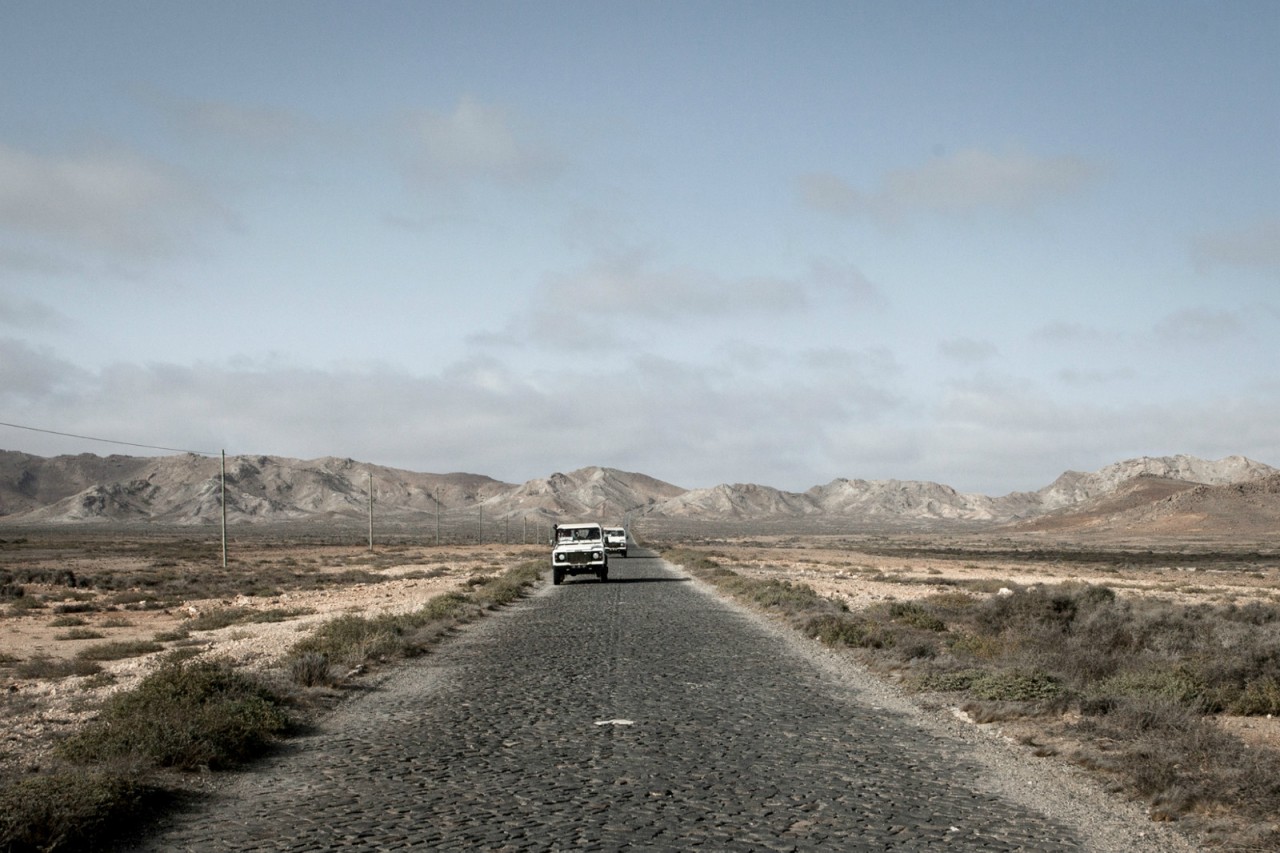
pixel 187 490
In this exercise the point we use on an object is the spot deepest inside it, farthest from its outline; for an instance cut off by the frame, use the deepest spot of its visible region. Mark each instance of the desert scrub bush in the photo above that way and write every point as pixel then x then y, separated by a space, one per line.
pixel 70 809
pixel 53 669
pixel 188 714
pixel 946 681
pixel 223 617
pixel 310 669
pixel 915 615
pixel 1016 686
pixel 508 586
pixel 834 629
pixel 24 604
pixel 1171 682
pixel 352 640
pixel 1179 761
pixel 119 650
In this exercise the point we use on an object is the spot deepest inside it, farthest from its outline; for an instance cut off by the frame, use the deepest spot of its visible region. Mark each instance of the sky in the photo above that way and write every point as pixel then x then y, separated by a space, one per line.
pixel 975 243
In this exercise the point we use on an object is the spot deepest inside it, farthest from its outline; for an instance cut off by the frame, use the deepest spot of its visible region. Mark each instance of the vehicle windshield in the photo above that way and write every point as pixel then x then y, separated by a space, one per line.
pixel 579 534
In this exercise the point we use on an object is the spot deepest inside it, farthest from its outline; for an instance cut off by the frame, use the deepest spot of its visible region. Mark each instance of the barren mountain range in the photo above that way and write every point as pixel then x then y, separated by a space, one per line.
pixel 1159 494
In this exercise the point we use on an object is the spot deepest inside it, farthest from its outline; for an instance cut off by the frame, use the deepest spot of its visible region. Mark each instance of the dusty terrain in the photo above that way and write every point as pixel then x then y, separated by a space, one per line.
pixel 285 578
pixel 861 573
pixel 38 709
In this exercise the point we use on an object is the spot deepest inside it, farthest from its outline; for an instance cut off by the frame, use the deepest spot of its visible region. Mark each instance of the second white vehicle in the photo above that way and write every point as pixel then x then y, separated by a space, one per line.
pixel 615 540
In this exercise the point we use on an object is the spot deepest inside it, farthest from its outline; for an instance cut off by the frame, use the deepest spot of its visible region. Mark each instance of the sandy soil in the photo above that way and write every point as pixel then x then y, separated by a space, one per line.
pixel 36 711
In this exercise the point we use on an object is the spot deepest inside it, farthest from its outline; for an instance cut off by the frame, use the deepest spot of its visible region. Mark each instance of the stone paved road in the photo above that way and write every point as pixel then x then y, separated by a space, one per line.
pixel 642 713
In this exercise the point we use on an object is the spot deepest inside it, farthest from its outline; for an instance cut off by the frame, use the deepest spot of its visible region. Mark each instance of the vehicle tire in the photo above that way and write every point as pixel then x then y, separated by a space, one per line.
pixel 557 576
pixel 624 552
pixel 603 574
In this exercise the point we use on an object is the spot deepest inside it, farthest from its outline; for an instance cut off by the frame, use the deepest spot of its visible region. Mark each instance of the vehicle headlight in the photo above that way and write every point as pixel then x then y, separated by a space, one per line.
pixel 595 555
pixel 559 558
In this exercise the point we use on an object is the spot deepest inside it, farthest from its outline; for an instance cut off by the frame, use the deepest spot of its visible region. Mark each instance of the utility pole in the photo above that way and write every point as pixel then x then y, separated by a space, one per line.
pixel 370 510
pixel 224 509
pixel 437 515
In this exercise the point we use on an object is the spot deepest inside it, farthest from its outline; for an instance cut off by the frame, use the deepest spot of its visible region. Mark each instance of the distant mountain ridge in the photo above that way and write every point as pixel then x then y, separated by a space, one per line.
pixel 186 489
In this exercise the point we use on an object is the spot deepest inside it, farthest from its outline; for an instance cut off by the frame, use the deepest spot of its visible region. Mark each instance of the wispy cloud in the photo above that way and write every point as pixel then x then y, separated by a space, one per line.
pixel 29 374
pixel 1199 325
pixel 1255 246
pixel 222 121
pixel 968 182
pixel 27 314
pixel 109 200
pixel 633 286
pixel 967 350
pixel 476 142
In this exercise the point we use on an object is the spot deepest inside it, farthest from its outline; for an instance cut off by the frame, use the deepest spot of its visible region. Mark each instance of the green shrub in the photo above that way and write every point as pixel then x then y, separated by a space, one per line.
pixel 1257 698
pixel 188 714
pixel 839 630
pixel 915 615
pixel 1016 686
pixel 948 682
pixel 1175 683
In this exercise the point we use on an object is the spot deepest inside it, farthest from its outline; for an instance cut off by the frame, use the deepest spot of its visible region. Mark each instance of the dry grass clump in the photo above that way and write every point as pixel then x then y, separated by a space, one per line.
pixel 1140 676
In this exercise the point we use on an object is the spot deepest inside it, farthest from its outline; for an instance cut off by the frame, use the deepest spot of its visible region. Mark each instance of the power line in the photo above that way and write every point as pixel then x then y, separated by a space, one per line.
pixel 110 440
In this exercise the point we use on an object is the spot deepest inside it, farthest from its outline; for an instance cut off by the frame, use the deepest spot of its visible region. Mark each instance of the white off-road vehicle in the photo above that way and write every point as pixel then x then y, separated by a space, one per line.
pixel 578 549
pixel 615 540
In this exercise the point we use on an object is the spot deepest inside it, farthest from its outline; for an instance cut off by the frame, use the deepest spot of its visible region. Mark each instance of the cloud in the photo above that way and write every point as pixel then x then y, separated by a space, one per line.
pixel 967 350
pixel 969 182
pixel 20 313
pixel 28 374
pixel 631 286
pixel 686 422
pixel 1199 325
pixel 1255 246
pixel 814 416
pixel 475 142
pixel 107 200
pixel 222 121
pixel 1084 378
pixel 1063 332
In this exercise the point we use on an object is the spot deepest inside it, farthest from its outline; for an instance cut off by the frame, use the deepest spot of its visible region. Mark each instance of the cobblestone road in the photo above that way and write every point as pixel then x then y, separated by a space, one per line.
pixel 643 713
